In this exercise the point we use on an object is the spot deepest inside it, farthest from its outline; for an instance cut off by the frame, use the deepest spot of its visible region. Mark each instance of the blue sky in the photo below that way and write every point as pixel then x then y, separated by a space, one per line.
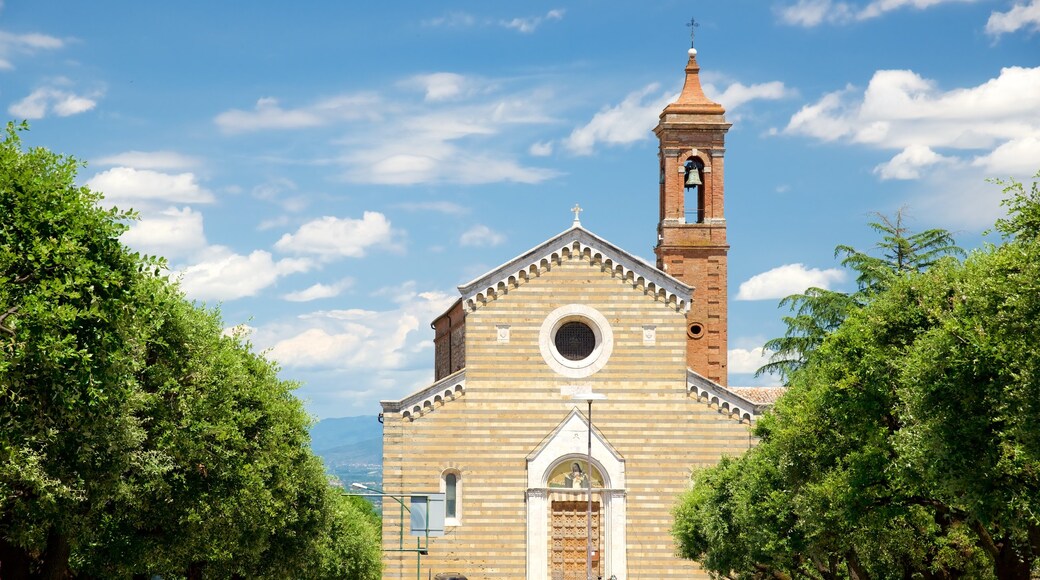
pixel 329 172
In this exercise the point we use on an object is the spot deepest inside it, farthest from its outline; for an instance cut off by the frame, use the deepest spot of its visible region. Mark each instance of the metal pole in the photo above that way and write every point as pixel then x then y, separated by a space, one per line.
pixel 418 541
pixel 588 519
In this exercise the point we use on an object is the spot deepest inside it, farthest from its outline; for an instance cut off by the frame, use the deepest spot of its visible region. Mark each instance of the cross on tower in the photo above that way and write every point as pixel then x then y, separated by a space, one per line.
pixel 692 24
pixel 577 210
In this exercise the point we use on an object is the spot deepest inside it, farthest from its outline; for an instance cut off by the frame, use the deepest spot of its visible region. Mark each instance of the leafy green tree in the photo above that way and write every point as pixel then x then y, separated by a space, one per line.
pixel 906 445
pixel 68 357
pixel 819 311
pixel 137 437
pixel 351 549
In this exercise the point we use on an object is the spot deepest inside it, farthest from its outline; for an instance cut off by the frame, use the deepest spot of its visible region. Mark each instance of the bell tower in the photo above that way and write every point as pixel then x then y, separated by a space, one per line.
pixel 691 234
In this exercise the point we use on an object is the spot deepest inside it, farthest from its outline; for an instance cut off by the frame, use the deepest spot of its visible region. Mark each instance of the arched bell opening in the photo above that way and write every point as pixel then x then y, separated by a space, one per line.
pixel 693 178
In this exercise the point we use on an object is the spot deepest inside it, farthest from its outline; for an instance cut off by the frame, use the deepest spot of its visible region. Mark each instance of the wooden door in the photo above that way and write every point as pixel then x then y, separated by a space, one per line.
pixel 569 522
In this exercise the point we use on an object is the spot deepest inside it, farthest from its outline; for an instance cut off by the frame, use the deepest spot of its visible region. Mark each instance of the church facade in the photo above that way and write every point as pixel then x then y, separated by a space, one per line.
pixel 576 385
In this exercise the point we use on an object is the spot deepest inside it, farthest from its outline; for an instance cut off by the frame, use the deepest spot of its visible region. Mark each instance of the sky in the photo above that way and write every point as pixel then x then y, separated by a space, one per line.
pixel 327 173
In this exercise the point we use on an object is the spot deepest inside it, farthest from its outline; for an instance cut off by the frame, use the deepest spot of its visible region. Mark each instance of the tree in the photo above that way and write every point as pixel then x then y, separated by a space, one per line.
pixel 351 549
pixel 906 445
pixel 819 311
pixel 137 437
pixel 68 356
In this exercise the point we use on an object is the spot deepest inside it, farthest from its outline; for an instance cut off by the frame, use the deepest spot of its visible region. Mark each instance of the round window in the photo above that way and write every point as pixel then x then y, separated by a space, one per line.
pixel 695 330
pixel 575 340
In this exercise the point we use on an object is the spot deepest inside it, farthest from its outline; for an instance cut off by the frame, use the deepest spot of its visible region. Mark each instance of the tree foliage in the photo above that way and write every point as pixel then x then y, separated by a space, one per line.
pixel 136 436
pixel 819 311
pixel 906 445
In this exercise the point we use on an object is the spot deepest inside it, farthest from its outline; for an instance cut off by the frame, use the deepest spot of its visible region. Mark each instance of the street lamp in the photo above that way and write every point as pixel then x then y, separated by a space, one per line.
pixel 419 550
pixel 590 397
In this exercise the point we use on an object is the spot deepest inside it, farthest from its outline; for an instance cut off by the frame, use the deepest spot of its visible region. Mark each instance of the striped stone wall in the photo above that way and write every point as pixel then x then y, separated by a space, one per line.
pixel 513 400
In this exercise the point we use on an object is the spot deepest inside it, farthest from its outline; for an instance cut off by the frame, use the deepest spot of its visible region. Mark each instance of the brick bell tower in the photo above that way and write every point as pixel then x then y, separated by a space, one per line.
pixel 691 234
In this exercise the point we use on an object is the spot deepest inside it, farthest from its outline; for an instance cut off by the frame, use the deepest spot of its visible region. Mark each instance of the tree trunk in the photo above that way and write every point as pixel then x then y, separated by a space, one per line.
pixel 14 561
pixel 1011 565
pixel 56 556
pixel 195 571
pixel 1008 562
pixel 856 569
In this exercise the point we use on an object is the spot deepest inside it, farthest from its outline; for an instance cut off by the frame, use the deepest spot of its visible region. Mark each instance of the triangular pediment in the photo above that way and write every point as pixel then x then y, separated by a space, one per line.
pixel 576 241
pixel 570 440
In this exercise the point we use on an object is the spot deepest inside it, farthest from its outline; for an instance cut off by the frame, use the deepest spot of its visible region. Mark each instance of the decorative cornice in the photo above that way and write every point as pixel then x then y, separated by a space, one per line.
pixel 576 241
pixel 427 400
pixel 727 401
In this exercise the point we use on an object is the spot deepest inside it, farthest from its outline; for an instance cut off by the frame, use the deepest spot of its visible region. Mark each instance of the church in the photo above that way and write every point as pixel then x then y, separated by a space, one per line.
pixel 576 386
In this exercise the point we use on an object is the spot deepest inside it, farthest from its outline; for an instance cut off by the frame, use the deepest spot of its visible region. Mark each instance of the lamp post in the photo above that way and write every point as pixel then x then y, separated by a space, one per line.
pixel 590 397
pixel 419 550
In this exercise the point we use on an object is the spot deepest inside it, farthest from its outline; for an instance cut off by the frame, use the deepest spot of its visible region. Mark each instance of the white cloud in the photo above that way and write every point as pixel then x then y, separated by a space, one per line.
pixel 810 13
pixel 627 122
pixel 880 7
pixel 1020 16
pixel 909 163
pixel 441 86
pixel 530 24
pixel 904 111
pixel 332 237
pixel 447 156
pixel 172 233
pixel 30 43
pixel 39 103
pixel 356 339
pixel 225 275
pixel 1017 157
pixel 283 192
pixel 445 207
pixel 268 115
pixel 446 142
pixel 125 185
pixel 744 360
pixel 787 280
pixel 481 235
pixel 543 149
pixel 150 160
pixel 827 119
pixel 452 20
pixel 319 291
pixel 738 94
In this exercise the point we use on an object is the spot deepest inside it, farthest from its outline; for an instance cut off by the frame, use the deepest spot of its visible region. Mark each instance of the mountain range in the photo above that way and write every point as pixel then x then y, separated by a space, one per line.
pixel 351 447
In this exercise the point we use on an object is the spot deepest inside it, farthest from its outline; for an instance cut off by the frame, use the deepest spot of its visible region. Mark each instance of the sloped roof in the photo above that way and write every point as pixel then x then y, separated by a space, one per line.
pixel 744 403
pixel 576 239
pixel 759 395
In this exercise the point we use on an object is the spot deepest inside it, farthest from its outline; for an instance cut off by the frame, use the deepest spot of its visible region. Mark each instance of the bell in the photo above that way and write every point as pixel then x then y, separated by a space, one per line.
pixel 693 178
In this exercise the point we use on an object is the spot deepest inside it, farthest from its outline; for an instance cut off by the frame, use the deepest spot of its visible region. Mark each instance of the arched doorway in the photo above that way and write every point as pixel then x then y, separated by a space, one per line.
pixel 558 505
pixel 575 516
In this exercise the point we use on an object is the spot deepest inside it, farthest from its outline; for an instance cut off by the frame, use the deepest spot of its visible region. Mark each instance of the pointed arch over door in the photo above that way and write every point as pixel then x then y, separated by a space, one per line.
pixel 565 446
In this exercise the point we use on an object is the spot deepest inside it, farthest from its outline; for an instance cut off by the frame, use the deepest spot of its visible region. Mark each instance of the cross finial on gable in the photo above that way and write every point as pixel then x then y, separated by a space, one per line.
pixel 577 210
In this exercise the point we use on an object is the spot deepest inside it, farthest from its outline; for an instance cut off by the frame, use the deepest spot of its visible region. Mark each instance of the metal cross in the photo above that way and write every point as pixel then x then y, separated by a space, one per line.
pixel 692 24
pixel 576 209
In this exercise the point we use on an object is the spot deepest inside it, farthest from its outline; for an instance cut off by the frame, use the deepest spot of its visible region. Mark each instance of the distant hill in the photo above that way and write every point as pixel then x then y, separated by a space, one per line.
pixel 337 432
pixel 351 447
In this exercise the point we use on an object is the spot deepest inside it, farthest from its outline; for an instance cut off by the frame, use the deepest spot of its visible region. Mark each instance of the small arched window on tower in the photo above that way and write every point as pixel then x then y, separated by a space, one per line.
pixel 694 179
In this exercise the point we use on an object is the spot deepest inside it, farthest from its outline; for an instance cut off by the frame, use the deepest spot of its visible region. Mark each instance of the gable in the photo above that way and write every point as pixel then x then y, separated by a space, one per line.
pixel 576 241
pixel 568 441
